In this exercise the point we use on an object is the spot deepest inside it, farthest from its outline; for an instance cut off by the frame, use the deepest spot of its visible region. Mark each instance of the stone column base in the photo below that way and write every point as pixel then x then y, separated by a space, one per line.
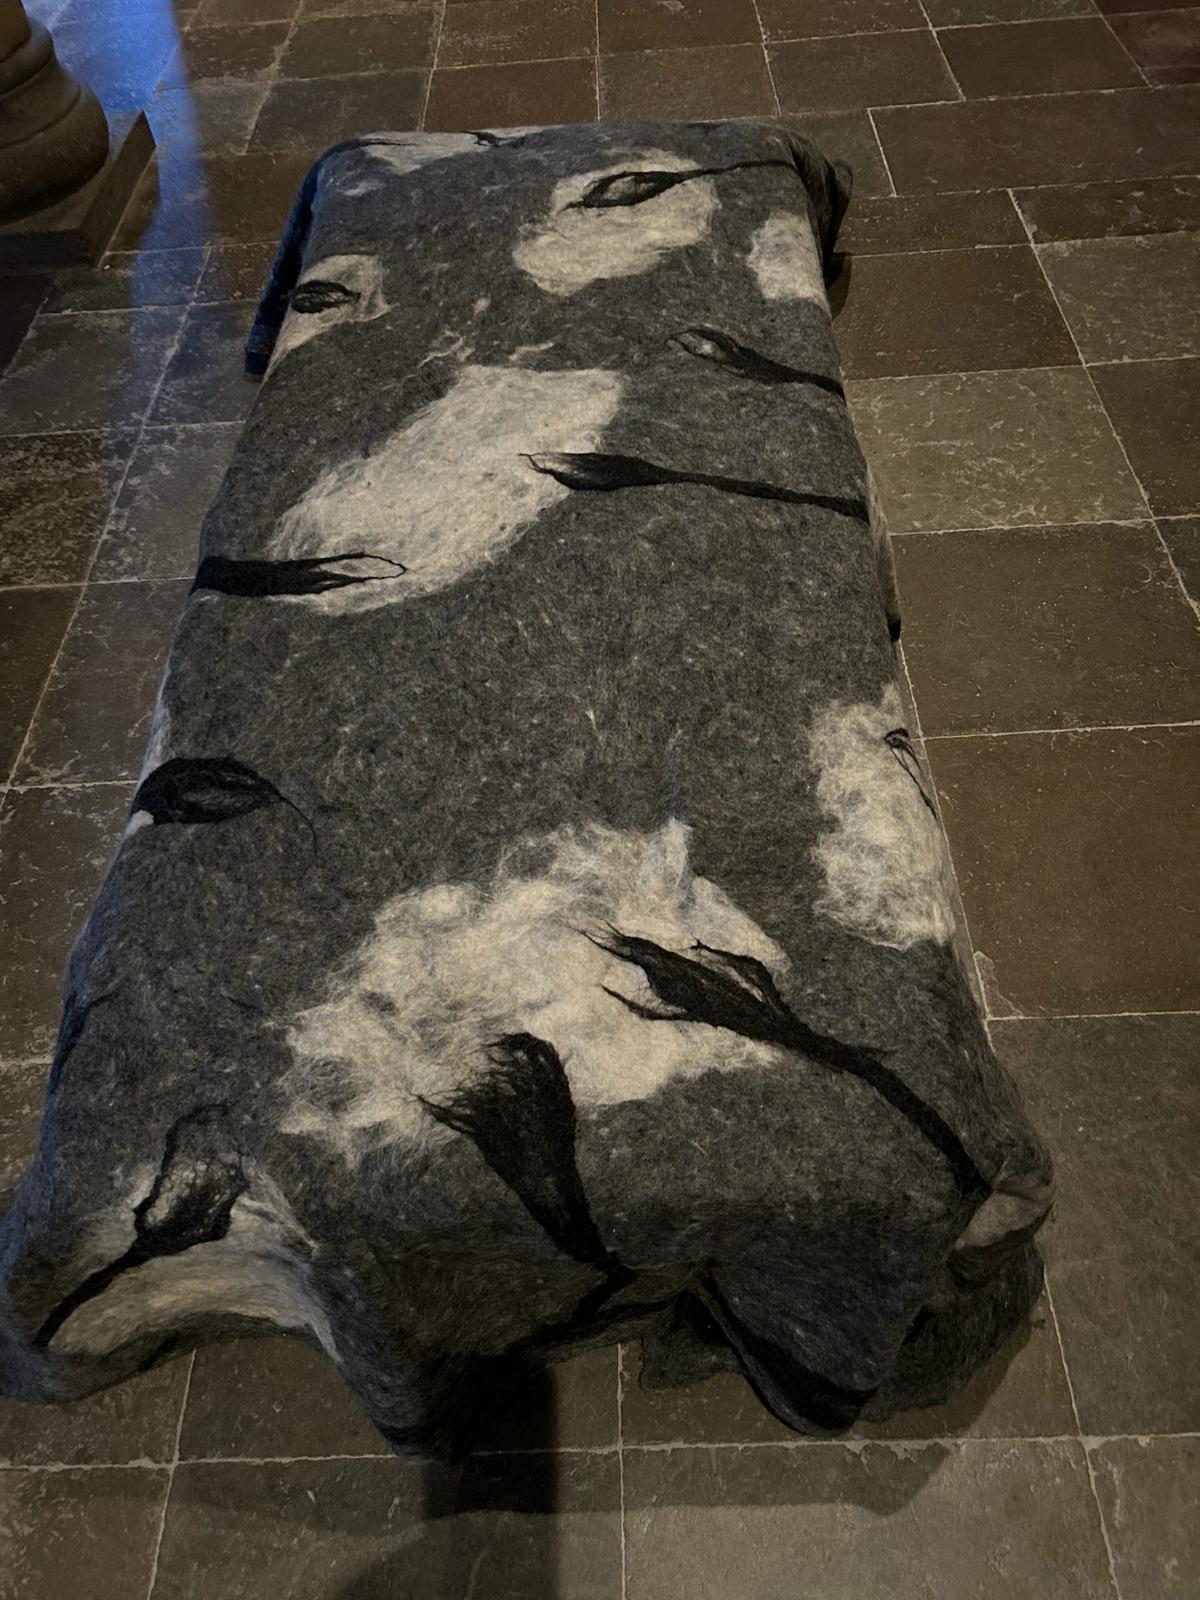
pixel 77 229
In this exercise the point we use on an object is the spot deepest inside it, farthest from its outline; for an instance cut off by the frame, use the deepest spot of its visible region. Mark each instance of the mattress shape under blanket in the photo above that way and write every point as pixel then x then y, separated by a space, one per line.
pixel 533 926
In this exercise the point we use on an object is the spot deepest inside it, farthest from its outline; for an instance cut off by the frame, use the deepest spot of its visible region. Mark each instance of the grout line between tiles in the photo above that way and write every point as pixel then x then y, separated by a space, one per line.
pixel 762 34
pixel 1125 50
pixel 1082 727
pixel 941 52
pixel 621 1462
pixel 172 1465
pixel 433 65
pixel 882 152
pixel 1141 488
pixel 1087 1456
pixel 897 1446
pixel 269 79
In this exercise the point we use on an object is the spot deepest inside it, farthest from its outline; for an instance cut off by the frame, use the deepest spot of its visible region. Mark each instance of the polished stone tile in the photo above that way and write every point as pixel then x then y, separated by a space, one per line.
pixel 1148 1491
pixel 815 19
pixel 96 369
pixel 80 1535
pixel 846 136
pixel 1046 628
pixel 949 311
pixel 236 272
pixel 867 1522
pixel 54 847
pixel 242 199
pixel 488 31
pixel 512 95
pixel 634 25
pixel 245 1400
pixel 992 449
pixel 1115 1099
pixel 948 13
pixel 1110 210
pixel 929 222
pixel 32 625
pixel 272 1397
pixel 206 380
pixel 1051 57
pixel 718 81
pixel 306 117
pixel 324 47
pixel 236 13
pixel 1022 1392
pixel 94 719
pixel 1165 44
pixel 125 280
pixel 22 1090
pixel 1109 6
pixel 1129 299
pixel 207 118
pixel 133 1422
pixel 518 1528
pixel 120 56
pixel 1072 138
pixel 1074 854
pixel 1181 535
pixel 250 51
pixel 154 528
pixel 570 1406
pixel 1155 407
pixel 870 69
pixel 55 493
pixel 20 297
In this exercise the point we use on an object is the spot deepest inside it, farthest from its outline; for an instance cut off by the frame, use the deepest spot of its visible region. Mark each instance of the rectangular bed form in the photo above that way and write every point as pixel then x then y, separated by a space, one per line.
pixel 533 928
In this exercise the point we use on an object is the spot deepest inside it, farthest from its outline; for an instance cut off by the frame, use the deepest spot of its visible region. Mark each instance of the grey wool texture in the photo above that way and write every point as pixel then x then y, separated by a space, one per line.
pixel 533 927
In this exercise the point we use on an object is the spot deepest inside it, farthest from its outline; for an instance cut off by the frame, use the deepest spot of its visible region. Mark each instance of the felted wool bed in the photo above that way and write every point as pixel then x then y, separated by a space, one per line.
pixel 533 927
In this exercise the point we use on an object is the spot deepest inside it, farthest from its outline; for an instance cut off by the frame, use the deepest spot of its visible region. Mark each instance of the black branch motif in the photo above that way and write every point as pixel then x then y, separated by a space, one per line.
pixel 900 744
pixel 320 294
pixel 204 789
pixel 722 989
pixel 190 1202
pixel 305 575
pixel 710 344
pixel 590 470
pixel 634 188
pixel 521 1118
pixel 496 141
pixel 75 1017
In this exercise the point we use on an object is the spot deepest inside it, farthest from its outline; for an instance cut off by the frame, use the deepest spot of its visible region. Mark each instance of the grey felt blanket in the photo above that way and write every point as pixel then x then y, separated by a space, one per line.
pixel 533 927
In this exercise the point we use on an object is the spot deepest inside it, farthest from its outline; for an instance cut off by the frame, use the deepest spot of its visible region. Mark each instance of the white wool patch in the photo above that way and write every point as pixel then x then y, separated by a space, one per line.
pixel 886 868
pixel 571 248
pixel 451 968
pixel 255 1271
pixel 401 156
pixel 362 274
pixel 453 488
pixel 785 262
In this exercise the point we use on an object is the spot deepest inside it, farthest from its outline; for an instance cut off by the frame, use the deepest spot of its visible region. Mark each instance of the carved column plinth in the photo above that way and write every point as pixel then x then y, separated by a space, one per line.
pixel 65 177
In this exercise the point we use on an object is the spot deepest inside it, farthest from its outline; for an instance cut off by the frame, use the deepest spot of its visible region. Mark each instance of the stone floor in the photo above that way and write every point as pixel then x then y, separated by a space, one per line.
pixel 1019 312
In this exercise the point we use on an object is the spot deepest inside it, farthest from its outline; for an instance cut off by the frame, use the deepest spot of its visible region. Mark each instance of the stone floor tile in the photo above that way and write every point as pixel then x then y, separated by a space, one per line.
pixel 80 1535
pixel 94 718
pixel 55 845
pixel 870 69
pixel 992 449
pixel 1129 299
pixel 867 1522
pixel 1074 853
pixel 715 81
pixel 949 311
pixel 1115 1099
pixel 1046 628
pixel 84 370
